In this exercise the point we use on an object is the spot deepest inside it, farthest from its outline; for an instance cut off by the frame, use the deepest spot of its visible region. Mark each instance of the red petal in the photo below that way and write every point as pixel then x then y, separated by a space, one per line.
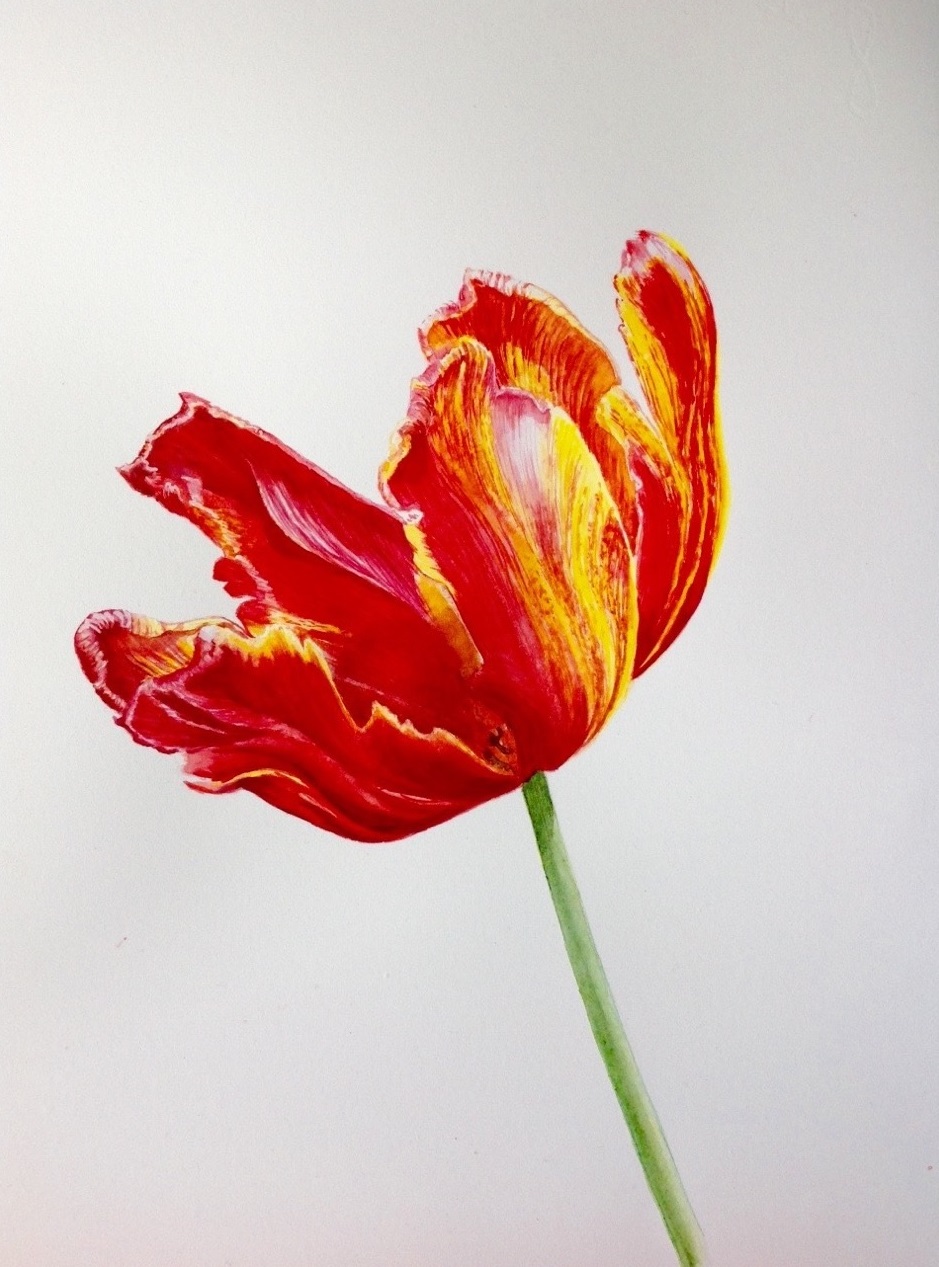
pixel 302 549
pixel 263 713
pixel 668 325
pixel 516 512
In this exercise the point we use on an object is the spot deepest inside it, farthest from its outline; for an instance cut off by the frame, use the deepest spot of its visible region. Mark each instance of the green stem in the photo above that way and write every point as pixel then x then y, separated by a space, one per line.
pixel 648 1138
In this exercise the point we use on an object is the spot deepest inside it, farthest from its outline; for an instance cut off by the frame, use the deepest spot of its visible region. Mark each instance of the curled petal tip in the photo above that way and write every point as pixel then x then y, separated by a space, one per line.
pixel 647 247
pixel 637 250
pixel 634 249
pixel 89 655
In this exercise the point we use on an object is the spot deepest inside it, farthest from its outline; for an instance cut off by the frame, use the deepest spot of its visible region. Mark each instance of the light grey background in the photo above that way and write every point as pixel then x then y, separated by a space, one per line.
pixel 227 1038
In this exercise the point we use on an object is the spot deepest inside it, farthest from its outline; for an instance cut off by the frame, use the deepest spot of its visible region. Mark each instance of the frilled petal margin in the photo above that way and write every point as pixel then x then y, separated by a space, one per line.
pixel 536 344
pixel 263 712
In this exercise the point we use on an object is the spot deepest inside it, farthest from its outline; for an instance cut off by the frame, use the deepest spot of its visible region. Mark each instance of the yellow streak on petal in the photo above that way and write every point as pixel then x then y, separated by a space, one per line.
pixel 433 587
pixel 545 495
pixel 159 649
pixel 658 379
pixel 527 375
pixel 309 628
pixel 269 643
pixel 437 594
pixel 600 574
pixel 204 784
pixel 622 417
pixel 720 491
pixel 279 641
pixel 618 414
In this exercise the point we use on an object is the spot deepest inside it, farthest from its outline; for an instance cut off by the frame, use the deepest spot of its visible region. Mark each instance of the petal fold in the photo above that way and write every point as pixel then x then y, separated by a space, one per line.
pixel 262 712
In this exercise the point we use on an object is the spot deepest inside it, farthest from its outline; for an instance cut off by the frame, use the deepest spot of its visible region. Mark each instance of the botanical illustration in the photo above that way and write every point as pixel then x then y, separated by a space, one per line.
pixel 542 538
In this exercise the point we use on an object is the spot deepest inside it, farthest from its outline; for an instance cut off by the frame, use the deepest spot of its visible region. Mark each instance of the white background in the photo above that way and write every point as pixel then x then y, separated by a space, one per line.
pixel 229 1039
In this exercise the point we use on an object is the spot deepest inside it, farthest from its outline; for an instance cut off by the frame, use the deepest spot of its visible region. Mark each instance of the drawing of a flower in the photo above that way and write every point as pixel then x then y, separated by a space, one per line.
pixel 544 540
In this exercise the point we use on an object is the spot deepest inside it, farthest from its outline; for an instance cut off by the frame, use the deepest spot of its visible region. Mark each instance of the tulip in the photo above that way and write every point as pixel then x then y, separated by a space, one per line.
pixel 544 538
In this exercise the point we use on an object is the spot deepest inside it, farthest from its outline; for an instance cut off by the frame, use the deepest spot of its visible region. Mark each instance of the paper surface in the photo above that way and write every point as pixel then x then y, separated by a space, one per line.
pixel 229 1038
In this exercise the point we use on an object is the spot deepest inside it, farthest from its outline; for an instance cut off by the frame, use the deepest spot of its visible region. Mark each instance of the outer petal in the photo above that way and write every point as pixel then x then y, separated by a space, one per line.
pixel 302 549
pixel 678 467
pixel 263 713
pixel 515 510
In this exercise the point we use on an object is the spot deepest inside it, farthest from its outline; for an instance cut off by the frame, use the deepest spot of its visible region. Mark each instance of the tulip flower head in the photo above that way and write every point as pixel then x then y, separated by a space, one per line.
pixel 543 538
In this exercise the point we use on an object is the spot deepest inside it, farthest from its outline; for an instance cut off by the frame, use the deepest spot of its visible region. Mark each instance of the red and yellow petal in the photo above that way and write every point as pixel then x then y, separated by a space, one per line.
pixel 516 513
pixel 119 651
pixel 677 467
pixel 300 548
pixel 262 712
pixel 538 346
pixel 284 526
